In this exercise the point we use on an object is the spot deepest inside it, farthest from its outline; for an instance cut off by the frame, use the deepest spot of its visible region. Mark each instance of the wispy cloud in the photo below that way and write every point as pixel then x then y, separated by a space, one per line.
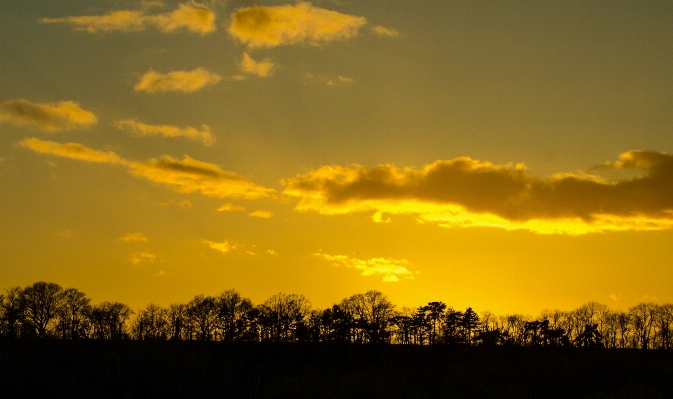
pixel 133 237
pixel 261 26
pixel 71 150
pixel 385 32
pixel 464 192
pixel 137 258
pixel 186 176
pixel 50 117
pixel 230 207
pixel 190 175
pixel 142 129
pixel 261 214
pixel 185 81
pixel 332 81
pixel 223 247
pixel 191 16
pixel 271 252
pixel 262 68
pixel 391 269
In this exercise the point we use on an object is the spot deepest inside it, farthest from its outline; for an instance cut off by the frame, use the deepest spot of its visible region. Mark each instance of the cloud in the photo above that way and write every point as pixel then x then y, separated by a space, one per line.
pixel 185 81
pixel 137 258
pixel 52 117
pixel 223 247
pixel 186 176
pixel 271 252
pixel 187 204
pixel 190 175
pixel 192 16
pixel 230 207
pixel 260 26
pixel 464 192
pixel 339 81
pixel 133 237
pixel 385 32
pixel 262 68
pixel 261 214
pixel 71 150
pixel 390 269
pixel 141 129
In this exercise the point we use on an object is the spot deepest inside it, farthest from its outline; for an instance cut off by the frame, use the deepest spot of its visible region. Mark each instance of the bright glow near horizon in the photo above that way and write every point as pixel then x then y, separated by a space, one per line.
pixel 511 157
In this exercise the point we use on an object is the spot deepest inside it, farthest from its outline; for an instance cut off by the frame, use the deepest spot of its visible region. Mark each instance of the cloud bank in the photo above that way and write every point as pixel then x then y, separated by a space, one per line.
pixel 390 269
pixel 464 192
pixel 186 176
pixel 260 27
pixel 192 16
pixel 51 117
pixel 184 81
pixel 141 129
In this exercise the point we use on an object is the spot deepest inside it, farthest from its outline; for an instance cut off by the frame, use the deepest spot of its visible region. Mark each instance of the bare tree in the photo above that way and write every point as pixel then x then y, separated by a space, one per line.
pixel 42 303
pixel 72 313
pixel 642 320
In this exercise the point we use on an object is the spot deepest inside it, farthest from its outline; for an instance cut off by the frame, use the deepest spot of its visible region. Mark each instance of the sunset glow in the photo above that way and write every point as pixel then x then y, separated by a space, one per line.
pixel 508 156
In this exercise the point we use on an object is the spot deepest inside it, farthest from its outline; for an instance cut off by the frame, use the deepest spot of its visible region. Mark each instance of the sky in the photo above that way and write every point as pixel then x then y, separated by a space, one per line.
pixel 508 156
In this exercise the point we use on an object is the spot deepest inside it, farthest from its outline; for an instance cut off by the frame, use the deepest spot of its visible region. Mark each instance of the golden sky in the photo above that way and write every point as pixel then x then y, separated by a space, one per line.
pixel 509 156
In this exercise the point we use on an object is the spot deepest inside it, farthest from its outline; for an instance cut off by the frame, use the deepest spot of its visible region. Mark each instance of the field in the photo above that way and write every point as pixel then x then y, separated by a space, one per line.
pixel 151 369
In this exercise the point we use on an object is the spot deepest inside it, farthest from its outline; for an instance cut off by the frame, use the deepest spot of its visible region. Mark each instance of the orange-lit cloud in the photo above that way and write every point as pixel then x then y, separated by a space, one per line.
pixel 230 207
pixel 137 258
pixel 332 81
pixel 141 129
pixel 385 32
pixel 260 26
pixel 192 16
pixel 186 176
pixel 51 117
pixel 185 81
pixel 390 269
pixel 223 247
pixel 262 68
pixel 464 192
pixel 133 237
pixel 261 214
pixel 71 150
pixel 190 175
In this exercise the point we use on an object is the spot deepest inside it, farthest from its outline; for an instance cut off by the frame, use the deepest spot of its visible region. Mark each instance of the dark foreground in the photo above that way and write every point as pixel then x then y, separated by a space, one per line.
pixel 143 369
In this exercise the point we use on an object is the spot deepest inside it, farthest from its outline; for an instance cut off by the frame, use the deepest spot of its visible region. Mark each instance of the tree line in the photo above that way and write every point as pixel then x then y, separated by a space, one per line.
pixel 46 310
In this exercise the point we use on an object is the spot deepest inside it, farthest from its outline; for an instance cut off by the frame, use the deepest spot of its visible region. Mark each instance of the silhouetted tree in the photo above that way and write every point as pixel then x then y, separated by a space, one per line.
pixel 642 320
pixel 12 313
pixel 202 312
pixel 42 303
pixel 109 319
pixel 591 337
pixel 151 323
pixel 231 315
pixel 73 313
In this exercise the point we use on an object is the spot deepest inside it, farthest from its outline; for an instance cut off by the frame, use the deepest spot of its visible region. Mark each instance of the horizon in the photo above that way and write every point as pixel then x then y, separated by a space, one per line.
pixel 509 157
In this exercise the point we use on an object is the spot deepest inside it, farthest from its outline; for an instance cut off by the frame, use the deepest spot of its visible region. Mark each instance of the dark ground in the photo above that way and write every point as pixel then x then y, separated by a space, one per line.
pixel 144 369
